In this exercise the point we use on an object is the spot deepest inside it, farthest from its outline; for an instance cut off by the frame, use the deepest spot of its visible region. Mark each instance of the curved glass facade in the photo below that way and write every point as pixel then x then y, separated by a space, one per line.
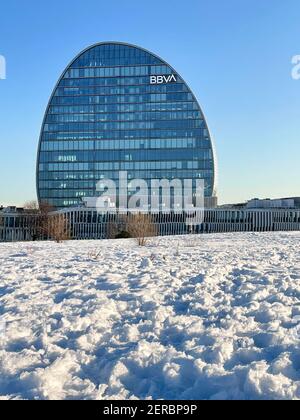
pixel 116 108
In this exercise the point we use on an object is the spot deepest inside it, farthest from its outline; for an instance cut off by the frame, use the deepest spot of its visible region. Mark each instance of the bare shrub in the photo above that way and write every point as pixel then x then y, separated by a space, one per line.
pixel 192 241
pixel 94 255
pixel 44 219
pixel 57 228
pixel 112 230
pixel 117 229
pixel 141 227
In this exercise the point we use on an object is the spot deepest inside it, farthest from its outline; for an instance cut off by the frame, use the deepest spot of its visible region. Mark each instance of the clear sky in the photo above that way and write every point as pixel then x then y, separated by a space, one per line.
pixel 235 55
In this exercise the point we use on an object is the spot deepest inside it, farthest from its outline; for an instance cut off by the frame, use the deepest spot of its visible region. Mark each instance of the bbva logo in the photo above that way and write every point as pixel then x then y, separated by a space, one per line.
pixel 158 80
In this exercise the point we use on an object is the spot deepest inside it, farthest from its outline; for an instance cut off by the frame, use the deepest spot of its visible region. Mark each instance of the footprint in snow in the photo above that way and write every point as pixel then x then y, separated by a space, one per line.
pixel 146 263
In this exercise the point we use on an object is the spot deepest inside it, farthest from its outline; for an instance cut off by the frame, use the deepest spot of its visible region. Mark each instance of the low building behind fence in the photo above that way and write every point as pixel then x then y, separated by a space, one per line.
pixel 87 223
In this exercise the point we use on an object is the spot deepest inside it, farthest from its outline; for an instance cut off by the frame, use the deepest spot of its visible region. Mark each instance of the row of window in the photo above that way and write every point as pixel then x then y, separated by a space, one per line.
pixel 96 176
pixel 61 203
pixel 119 99
pixel 101 61
pixel 126 134
pixel 184 143
pixel 127 90
pixel 103 53
pixel 118 156
pixel 148 125
pixel 46 194
pixel 148 165
pixel 61 185
pixel 112 108
pixel 133 116
pixel 113 61
pixel 86 166
pixel 75 73
pixel 70 193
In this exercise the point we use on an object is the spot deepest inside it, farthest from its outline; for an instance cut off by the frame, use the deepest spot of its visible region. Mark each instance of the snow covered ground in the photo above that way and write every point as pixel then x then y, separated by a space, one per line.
pixel 213 317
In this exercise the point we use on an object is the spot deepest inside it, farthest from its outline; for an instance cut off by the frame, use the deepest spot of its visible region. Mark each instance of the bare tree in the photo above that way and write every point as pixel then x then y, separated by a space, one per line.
pixel 141 227
pixel 45 217
pixel 33 219
pixel 32 206
pixel 45 208
pixel 46 225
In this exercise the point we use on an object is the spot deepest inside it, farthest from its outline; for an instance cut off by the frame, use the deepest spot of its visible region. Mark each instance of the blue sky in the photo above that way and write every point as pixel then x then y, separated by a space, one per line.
pixel 235 55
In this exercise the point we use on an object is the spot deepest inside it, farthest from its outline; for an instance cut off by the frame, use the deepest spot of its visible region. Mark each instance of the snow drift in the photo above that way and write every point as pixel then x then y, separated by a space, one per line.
pixel 206 317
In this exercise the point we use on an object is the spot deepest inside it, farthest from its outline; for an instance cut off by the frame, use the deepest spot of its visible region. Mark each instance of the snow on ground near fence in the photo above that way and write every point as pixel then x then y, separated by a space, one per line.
pixel 206 317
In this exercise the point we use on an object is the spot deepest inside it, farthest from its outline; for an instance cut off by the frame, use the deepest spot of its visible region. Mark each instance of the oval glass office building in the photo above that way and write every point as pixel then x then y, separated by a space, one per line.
pixel 118 107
